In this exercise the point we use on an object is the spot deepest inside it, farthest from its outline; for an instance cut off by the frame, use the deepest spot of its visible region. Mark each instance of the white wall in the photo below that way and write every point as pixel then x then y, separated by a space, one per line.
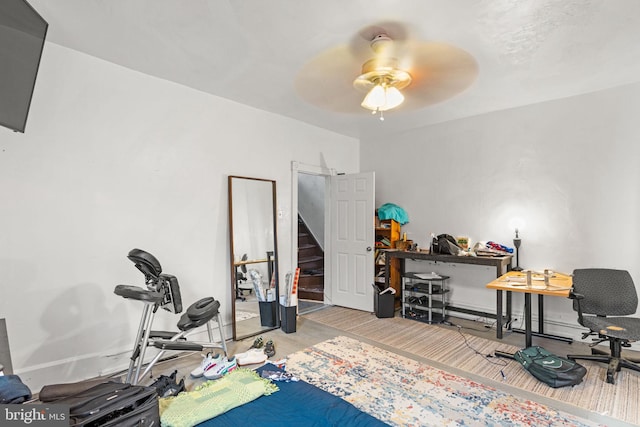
pixel 565 172
pixel 311 204
pixel 113 160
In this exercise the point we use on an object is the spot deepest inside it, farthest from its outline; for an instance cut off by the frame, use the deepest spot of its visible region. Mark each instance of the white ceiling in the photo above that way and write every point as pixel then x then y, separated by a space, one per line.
pixel 250 51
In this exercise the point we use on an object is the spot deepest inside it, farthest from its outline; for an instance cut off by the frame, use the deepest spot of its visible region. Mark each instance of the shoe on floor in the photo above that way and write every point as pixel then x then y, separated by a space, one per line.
pixel 251 357
pixel 257 343
pixel 269 349
pixel 168 386
pixel 208 361
pixel 172 389
pixel 222 368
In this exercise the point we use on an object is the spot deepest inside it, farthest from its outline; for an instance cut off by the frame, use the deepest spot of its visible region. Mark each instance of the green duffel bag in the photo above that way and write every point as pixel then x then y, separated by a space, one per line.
pixel 555 371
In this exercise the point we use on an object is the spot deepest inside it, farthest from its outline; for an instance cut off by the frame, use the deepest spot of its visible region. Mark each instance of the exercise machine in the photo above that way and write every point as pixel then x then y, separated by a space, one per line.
pixel 162 291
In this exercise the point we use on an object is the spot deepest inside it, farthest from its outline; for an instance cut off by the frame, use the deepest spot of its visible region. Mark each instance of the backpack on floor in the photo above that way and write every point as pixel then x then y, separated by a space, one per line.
pixel 555 371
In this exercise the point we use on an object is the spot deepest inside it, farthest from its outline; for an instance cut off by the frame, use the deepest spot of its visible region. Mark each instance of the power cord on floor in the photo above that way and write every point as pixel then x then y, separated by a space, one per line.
pixel 487 357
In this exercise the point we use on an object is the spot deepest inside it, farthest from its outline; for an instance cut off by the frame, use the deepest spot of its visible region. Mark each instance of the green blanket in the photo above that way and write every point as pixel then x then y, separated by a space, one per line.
pixel 213 398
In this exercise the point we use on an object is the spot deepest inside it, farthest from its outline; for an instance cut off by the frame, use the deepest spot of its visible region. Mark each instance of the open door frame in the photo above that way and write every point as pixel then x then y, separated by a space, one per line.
pixel 297 168
pixel 330 281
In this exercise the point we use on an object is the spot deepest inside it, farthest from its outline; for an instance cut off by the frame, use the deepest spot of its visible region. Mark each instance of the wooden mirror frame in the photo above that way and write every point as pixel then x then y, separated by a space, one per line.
pixel 271 260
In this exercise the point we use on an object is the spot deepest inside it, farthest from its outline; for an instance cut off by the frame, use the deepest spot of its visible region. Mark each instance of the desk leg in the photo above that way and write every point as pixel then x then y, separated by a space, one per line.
pixel 498 314
pixel 540 314
pixel 527 319
pixel 529 330
pixel 509 310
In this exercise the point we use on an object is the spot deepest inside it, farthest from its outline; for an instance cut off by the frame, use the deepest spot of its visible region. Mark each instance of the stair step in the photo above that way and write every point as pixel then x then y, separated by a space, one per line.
pixel 310 259
pixel 311 294
pixel 311 282
pixel 317 272
pixel 311 263
pixel 311 290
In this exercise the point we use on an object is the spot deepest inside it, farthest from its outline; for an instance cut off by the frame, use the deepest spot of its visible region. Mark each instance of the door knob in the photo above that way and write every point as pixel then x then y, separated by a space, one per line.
pixel 368 248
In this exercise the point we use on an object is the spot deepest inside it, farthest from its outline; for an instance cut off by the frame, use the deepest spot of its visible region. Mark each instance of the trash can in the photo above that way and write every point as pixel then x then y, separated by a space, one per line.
pixel 268 313
pixel 288 318
pixel 384 304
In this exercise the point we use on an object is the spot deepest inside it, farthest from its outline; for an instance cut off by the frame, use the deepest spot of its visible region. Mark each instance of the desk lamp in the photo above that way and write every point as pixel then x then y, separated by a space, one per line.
pixel 516 243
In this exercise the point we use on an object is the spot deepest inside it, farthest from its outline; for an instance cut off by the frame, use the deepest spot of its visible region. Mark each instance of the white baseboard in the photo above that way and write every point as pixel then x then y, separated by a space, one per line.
pixel 92 365
pixel 551 326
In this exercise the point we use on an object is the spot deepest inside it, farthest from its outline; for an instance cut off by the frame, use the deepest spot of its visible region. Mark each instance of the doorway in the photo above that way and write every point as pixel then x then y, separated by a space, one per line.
pixel 348 256
pixel 310 222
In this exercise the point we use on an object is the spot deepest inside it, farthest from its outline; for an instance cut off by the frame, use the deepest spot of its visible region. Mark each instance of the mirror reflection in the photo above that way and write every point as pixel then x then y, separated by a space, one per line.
pixel 253 243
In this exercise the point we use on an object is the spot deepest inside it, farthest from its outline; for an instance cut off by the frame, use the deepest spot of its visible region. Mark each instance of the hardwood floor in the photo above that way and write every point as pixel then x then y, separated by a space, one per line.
pixel 309 333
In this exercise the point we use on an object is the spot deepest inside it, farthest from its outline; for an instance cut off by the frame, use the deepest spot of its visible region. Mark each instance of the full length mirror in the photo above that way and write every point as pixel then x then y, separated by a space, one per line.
pixel 254 257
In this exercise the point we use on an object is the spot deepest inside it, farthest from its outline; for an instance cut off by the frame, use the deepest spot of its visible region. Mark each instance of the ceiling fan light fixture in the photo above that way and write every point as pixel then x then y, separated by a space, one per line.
pixel 394 98
pixel 382 80
pixel 382 98
pixel 375 98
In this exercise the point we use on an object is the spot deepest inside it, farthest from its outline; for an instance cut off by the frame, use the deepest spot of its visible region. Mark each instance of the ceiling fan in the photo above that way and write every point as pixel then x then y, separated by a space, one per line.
pixel 381 68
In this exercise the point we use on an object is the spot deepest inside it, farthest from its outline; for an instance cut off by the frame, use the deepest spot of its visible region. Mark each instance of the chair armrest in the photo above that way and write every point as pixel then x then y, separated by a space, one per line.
pixel 577 297
pixel 573 295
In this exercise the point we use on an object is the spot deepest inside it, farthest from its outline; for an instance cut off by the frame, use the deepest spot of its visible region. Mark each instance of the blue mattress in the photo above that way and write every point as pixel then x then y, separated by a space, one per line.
pixel 297 403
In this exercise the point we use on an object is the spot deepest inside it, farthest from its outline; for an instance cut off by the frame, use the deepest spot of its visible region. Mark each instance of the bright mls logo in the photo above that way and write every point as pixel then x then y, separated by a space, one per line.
pixel 34 415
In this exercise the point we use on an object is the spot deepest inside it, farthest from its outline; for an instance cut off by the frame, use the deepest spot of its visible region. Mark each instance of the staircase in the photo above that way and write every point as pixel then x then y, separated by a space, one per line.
pixel 311 264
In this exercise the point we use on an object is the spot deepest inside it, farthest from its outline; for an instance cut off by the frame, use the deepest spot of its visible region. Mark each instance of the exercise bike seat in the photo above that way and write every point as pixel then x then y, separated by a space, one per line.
pixel 138 293
pixel 145 262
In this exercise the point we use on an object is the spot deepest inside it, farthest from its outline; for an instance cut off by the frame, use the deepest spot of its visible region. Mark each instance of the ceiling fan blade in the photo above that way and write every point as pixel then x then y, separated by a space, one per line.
pixel 327 81
pixel 440 71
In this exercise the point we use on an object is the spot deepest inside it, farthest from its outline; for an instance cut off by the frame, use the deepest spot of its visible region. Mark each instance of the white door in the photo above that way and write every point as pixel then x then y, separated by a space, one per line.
pixel 352 240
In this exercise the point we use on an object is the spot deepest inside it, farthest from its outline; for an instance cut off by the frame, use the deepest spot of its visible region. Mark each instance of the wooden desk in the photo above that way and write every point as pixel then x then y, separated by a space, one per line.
pixel 502 264
pixel 515 281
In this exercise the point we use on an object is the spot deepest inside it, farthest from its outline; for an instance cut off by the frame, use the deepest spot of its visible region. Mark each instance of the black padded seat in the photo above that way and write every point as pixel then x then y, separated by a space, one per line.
pixel 205 307
pixel 621 328
pixel 145 262
pixel 138 293
pixel 199 313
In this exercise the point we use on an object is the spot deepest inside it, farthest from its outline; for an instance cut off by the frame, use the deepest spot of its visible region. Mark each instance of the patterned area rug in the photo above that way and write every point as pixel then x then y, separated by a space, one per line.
pixel 244 315
pixel 403 392
pixel 446 348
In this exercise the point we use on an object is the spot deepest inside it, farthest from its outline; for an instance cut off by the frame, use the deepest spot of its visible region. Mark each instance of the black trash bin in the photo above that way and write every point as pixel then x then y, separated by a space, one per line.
pixel 288 318
pixel 383 303
pixel 268 313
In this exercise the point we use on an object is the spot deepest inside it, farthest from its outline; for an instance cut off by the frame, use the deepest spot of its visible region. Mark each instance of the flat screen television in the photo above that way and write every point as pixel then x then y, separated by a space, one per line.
pixel 22 35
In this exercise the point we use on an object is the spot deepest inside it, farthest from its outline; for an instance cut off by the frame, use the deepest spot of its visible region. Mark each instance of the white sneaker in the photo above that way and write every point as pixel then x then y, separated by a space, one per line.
pixel 222 368
pixel 206 363
pixel 251 357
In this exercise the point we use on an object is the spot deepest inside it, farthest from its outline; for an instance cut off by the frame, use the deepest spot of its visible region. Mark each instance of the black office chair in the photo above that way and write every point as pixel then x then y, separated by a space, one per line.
pixel 601 296
pixel 241 280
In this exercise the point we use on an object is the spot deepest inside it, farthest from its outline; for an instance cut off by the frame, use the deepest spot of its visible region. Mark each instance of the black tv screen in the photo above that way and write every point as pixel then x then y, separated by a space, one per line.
pixel 22 35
